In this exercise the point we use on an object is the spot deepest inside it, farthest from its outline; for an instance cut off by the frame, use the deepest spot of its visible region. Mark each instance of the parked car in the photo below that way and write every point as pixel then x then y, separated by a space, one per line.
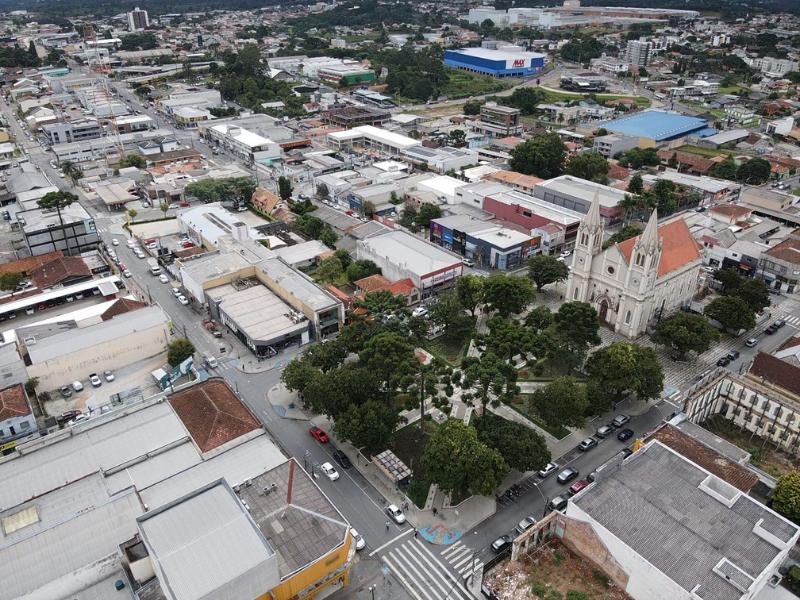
pixel 558 503
pixel 127 274
pixel 771 329
pixel 67 416
pixel 501 543
pixel 525 524
pixel 751 343
pixel 620 420
pixel 77 386
pixel 567 475
pixel 577 486
pixel 176 292
pixel 779 323
pixel 341 459
pixel 587 444
pixel 604 431
pixel 329 471
pixel 396 514
pixel 80 418
pixel 733 355
pixel 182 299
pixel 114 242
pixel 95 380
pixel 624 435
pixel 108 375
pixel 319 434
pixel 548 470
pixel 724 361
pixel 163 278
pixel 66 391
pixel 626 452
pixel 358 541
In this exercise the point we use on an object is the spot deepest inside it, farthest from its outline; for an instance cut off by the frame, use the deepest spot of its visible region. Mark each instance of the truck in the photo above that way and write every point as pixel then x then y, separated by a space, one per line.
pixel 155 269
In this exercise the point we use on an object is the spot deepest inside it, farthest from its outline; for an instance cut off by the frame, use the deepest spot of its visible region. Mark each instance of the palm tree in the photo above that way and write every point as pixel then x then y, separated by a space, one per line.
pixel 58 200
pixel 71 170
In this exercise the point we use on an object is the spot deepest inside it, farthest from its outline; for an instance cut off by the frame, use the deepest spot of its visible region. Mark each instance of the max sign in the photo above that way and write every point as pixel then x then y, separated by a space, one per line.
pixel 520 62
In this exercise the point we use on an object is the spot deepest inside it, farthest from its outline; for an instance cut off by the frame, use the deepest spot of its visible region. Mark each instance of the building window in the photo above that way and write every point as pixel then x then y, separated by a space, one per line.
pixel 584 239
pixel 640 260
pixel 24 425
pixel 610 270
pixel 575 294
pixel 628 318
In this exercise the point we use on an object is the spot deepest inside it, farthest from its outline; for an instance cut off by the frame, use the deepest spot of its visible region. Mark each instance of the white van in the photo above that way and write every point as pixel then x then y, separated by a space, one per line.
pixel 155 270
pixel 211 361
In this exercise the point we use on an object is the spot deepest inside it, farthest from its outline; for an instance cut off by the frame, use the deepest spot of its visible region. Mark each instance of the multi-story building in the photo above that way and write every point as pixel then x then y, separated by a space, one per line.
pixel 346 74
pixel 488 244
pixel 137 20
pixel 610 145
pixel 16 417
pixel 73 231
pixel 498 121
pixel 780 264
pixel 244 143
pixel 771 66
pixel 72 131
pixel 511 61
pixel 638 52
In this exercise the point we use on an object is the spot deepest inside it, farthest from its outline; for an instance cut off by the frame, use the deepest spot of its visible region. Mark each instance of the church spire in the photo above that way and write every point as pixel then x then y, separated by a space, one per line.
pixel 649 238
pixel 593 219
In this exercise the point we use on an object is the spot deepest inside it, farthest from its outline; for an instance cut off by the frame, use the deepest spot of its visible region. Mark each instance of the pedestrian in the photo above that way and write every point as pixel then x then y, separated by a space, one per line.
pixel 387 525
pixel 416 533
pixel 434 512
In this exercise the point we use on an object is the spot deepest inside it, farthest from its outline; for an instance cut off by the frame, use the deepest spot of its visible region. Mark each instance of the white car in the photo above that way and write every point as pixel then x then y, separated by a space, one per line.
pixel 127 274
pixel 163 278
pixel 420 311
pixel 357 539
pixel 182 299
pixel 109 376
pixel 114 242
pixel 397 515
pixel 138 253
pixel 329 471
pixel 131 244
pixel 176 292
pixel 96 381
pixel 80 418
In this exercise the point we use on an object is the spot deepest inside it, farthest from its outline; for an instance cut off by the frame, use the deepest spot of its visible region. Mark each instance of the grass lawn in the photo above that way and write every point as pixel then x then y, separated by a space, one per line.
pixel 552 96
pixel 522 406
pixel 708 152
pixel 451 350
pixel 462 84
pixel 733 89
pixel 763 454
pixel 409 446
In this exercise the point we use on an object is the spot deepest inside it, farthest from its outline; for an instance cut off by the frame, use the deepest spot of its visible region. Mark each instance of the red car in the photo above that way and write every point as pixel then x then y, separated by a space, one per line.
pixel 319 434
pixel 577 486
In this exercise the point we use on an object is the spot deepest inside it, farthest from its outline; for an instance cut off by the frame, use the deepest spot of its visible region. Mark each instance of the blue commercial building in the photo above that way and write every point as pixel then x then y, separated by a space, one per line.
pixel 654 126
pixel 489 245
pixel 497 63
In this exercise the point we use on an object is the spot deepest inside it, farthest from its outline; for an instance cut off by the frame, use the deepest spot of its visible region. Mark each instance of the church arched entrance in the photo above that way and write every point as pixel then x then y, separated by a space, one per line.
pixel 603 312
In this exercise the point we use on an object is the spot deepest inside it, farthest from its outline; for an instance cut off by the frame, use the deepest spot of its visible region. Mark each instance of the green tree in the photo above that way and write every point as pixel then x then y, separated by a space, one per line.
pixel 370 425
pixel 544 269
pixel 427 212
pixel 332 393
pixel 447 312
pixel 683 332
pixel 561 402
pixel 726 169
pixel 472 107
pixel 786 499
pixel 322 191
pixel 754 172
pixel 299 373
pixel 507 294
pixel 284 188
pixel 9 281
pixel 576 325
pixel 488 379
pixel 71 170
pixel 30 386
pixel 59 201
pixel 132 160
pixel 132 212
pixel 507 338
pixel 754 293
pixel 470 292
pixel 327 355
pixel 362 268
pixel 731 312
pixel 457 137
pixel 344 257
pixel 623 368
pixel 542 156
pixel 381 302
pixel 539 318
pixel 636 158
pixel 391 358
pixel 522 448
pixel 636 184
pixel 329 270
pixel 328 236
pixel 394 198
pixel 526 99
pixel 460 464
pixel 730 280
pixel 164 208
pixel 591 166
pixel 408 218
pixel 178 351
pixel 625 233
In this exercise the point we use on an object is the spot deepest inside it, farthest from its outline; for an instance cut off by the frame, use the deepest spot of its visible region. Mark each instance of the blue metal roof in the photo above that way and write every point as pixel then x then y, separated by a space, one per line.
pixel 656 125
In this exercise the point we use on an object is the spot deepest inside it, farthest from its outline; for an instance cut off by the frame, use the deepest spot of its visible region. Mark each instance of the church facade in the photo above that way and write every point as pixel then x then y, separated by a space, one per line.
pixel 633 283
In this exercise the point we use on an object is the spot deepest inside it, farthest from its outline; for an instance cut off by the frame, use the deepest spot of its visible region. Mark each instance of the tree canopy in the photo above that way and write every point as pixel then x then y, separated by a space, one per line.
pixel 731 312
pixel 507 294
pixel 685 332
pixel 623 368
pixel 544 269
pixel 542 155
pixel 236 190
pixel 786 499
pixel 178 351
pixel 521 447
pixel 561 402
pixel 591 166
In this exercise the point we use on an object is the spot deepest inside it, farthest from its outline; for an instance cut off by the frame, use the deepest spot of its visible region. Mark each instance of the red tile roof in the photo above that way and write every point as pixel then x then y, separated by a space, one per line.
pixel 212 413
pixel 731 210
pixel 697 162
pixel 679 247
pixel 25 265
pixel 788 250
pixel 13 402
pixel 57 270
pixel 372 283
pixel 121 306
pixel 708 458
pixel 777 372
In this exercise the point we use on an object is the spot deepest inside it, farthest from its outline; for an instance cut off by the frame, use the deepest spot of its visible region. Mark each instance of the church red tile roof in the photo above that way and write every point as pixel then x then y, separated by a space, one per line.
pixel 679 247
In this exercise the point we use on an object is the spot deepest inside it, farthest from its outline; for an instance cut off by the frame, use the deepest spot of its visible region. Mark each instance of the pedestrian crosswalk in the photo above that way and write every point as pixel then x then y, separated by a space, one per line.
pixel 462 559
pixel 424 575
pixel 792 320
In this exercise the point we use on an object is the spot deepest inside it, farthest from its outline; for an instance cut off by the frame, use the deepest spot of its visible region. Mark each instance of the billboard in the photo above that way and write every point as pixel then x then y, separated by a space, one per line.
pixel 518 63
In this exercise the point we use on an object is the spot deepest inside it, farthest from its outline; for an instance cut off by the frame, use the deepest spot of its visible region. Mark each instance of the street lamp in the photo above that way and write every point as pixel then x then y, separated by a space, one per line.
pixel 372 591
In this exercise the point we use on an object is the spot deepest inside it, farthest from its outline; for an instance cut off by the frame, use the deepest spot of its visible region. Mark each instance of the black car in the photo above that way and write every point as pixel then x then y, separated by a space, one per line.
pixel 771 329
pixel 341 459
pixel 626 452
pixel 723 362
pixel 625 435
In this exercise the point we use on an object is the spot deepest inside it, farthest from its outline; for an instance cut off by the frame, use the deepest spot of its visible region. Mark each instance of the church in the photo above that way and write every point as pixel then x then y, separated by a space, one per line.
pixel 633 283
